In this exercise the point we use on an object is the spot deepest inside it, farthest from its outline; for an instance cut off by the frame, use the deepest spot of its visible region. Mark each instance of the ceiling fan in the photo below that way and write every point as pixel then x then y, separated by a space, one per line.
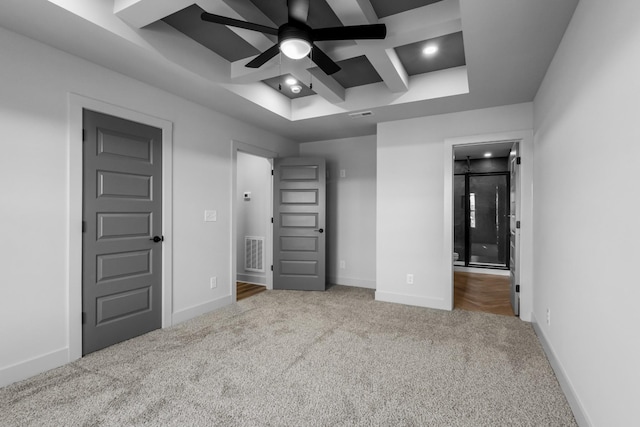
pixel 296 39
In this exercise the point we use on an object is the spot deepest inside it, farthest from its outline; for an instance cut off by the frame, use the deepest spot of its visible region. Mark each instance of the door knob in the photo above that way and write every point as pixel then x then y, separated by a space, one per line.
pixel 157 239
pixel 319 230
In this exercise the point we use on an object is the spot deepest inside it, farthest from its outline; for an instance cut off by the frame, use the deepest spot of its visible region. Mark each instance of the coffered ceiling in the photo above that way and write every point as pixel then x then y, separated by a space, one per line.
pixel 490 53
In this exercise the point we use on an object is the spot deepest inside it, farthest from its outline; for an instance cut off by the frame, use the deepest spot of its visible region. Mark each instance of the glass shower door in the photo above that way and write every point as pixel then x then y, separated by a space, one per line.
pixel 489 220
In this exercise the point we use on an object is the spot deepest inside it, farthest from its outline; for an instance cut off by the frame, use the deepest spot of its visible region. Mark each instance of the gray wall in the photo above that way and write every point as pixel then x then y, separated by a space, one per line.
pixel 35 213
pixel 351 208
pixel 586 209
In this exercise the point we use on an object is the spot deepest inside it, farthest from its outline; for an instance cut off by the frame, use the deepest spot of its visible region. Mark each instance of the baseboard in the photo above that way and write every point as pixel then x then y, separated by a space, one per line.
pixel 565 383
pixel 251 278
pixel 200 309
pixel 420 301
pixel 348 281
pixel 37 365
pixel 476 270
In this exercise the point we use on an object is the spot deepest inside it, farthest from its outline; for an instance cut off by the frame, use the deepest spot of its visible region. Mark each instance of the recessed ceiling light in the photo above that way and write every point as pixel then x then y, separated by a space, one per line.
pixel 430 49
pixel 296 89
pixel 290 81
pixel 487 154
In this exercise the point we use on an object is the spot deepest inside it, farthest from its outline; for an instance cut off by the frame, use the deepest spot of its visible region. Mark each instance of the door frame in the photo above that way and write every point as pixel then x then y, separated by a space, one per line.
pixel 525 138
pixel 76 104
pixel 269 155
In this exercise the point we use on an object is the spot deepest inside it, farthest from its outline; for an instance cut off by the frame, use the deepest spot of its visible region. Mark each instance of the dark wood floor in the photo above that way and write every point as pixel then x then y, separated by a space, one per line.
pixel 474 292
pixel 482 292
pixel 245 290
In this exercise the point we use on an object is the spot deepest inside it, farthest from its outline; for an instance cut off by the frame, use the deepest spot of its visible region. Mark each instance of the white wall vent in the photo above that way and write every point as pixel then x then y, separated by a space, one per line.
pixel 254 253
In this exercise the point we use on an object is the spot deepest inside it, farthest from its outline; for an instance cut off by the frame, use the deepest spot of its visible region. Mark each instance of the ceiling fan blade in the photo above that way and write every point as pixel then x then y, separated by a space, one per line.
pixel 209 17
pixel 261 59
pixel 353 32
pixel 298 10
pixel 325 63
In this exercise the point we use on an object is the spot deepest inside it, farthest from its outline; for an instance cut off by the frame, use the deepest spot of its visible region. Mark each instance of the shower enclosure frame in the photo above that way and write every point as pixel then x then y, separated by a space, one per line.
pixel 467 221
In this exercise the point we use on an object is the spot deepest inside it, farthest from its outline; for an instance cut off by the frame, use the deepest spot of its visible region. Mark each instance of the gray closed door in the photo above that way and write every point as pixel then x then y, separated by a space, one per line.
pixel 122 213
pixel 299 233
pixel 514 236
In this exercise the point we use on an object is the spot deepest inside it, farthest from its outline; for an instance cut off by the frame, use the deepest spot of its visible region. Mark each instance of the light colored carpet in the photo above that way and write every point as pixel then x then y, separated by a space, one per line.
pixel 286 358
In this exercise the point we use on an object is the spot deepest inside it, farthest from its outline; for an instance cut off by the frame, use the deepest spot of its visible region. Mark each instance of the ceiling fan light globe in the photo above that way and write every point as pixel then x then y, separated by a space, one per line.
pixel 295 48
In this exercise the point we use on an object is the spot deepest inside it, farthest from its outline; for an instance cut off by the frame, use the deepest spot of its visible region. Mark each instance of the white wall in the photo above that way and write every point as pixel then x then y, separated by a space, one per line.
pixel 351 208
pixel 254 175
pixel 587 153
pixel 411 199
pixel 34 164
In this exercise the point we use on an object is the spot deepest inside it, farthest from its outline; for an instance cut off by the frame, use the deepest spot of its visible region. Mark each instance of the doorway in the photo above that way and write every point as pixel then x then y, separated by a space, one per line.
pixel 252 207
pixel 77 104
pixel 122 230
pixel 481 228
pixel 253 221
pixel 523 218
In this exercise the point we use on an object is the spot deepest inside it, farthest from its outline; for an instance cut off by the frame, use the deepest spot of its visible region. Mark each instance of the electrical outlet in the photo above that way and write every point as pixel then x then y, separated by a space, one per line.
pixel 409 279
pixel 343 264
pixel 343 173
pixel 548 316
pixel 213 282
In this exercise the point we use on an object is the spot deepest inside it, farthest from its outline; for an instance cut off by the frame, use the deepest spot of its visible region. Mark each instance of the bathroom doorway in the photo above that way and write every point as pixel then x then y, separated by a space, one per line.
pixel 518 145
pixel 481 206
pixel 481 227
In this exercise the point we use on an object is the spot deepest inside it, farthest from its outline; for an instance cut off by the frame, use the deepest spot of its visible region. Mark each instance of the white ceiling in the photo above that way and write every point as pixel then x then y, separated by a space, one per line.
pixel 477 151
pixel 508 46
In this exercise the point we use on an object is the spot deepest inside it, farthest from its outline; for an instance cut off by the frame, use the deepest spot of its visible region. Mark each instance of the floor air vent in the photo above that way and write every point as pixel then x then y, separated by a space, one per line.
pixel 254 253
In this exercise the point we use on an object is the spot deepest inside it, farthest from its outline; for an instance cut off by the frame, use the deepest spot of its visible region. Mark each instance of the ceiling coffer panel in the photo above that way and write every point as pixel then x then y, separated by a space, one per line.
pixel 356 71
pixel 384 8
pixel 279 83
pixel 320 13
pixel 450 54
pixel 217 38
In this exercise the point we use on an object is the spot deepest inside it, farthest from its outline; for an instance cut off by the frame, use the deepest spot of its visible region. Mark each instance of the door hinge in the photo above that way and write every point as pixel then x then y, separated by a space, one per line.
pixel 271 220
pixel 84 226
pixel 517 288
pixel 272 268
pixel 84 317
pixel 517 224
pixel 271 172
pixel 518 160
pixel 84 135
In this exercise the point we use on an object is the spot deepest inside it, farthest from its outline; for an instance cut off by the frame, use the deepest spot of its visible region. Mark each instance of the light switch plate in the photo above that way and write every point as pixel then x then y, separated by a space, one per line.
pixel 210 216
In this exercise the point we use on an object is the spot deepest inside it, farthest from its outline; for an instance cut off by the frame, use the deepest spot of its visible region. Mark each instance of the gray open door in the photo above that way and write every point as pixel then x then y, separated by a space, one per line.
pixel 122 226
pixel 514 226
pixel 299 224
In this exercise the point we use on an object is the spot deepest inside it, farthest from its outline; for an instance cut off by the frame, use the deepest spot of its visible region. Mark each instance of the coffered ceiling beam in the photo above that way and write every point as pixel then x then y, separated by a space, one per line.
pixel 390 69
pixel 385 61
pixel 140 13
pixel 354 12
pixel 327 87
pixel 242 75
pixel 423 23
